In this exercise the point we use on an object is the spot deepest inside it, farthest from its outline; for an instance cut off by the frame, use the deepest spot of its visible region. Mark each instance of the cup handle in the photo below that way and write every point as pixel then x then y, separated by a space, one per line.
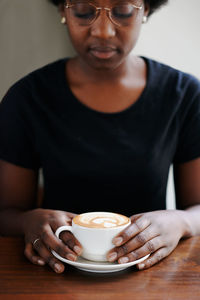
pixel 63 228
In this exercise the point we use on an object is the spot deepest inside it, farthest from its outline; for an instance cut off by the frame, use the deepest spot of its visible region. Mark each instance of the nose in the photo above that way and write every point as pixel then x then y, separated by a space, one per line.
pixel 103 27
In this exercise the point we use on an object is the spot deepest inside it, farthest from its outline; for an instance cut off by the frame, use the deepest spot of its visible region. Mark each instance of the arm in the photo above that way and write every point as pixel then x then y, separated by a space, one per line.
pixel 159 232
pixel 18 191
pixel 19 216
pixel 187 189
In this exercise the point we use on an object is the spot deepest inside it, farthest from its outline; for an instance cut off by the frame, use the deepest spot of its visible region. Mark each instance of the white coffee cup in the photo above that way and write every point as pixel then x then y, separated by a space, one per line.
pixel 96 238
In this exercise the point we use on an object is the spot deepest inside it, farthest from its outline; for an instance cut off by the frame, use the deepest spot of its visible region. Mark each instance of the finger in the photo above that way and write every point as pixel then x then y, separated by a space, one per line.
pixel 149 247
pixel 69 239
pixel 62 220
pixel 154 258
pixel 54 243
pixel 66 236
pixel 48 257
pixel 132 230
pixel 70 215
pixel 135 217
pixel 31 255
pixel 142 238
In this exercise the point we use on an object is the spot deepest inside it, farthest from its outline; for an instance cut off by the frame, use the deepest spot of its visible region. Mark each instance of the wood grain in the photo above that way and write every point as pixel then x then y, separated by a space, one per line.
pixel 176 277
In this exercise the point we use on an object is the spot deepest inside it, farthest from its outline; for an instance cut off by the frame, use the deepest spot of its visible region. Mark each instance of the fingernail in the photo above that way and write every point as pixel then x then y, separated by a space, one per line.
pixel 78 250
pixel 71 257
pixel 117 240
pixel 141 266
pixel 112 256
pixel 57 267
pixel 41 262
pixel 123 260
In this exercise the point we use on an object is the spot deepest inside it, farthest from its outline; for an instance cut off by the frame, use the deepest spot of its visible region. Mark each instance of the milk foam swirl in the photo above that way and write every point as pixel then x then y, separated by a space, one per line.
pixel 101 220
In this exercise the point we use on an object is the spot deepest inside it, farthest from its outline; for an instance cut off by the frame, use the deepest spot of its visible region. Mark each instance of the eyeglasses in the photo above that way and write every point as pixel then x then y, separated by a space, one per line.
pixel 85 13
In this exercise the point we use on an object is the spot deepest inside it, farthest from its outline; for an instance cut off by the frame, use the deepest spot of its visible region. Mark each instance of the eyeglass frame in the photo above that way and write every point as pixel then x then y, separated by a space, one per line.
pixel 98 9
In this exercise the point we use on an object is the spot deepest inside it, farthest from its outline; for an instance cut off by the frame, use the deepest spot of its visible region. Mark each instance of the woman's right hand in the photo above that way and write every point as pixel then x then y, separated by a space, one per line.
pixel 39 228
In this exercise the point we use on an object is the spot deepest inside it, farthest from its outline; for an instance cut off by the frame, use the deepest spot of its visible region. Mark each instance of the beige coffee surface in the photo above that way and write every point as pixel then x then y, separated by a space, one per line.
pixel 101 220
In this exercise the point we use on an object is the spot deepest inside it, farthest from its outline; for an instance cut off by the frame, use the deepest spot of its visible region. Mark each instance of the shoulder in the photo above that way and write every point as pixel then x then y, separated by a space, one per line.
pixel 40 82
pixel 168 72
pixel 48 72
pixel 45 75
pixel 157 68
pixel 169 82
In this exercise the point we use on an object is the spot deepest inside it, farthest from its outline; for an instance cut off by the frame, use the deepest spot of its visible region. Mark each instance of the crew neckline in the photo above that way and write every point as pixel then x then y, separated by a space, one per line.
pixel 82 106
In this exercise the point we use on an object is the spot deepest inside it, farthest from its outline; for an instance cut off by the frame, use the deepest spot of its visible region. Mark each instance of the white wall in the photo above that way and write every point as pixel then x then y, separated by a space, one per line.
pixel 172 35
pixel 31 35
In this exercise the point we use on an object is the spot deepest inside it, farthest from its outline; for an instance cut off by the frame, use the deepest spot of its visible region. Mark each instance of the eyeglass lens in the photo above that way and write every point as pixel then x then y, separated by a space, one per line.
pixel 86 13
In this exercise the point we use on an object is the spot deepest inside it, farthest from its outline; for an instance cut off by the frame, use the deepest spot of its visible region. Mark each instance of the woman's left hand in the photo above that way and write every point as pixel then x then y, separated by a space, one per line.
pixel 156 233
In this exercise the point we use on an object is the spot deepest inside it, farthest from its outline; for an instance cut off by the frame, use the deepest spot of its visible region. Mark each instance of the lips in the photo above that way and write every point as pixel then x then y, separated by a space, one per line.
pixel 103 52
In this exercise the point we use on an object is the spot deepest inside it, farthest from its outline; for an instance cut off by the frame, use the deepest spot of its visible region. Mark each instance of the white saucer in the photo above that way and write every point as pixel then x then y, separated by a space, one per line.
pixel 98 267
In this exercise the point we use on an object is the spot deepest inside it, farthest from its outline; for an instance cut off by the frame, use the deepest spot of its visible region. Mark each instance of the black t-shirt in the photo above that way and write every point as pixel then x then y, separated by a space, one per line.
pixel 94 161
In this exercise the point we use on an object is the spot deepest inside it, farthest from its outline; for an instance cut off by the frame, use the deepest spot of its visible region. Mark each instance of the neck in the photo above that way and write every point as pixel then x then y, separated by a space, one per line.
pixel 105 74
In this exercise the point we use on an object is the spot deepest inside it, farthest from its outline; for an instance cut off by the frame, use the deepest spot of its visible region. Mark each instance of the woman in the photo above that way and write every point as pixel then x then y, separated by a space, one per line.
pixel 104 126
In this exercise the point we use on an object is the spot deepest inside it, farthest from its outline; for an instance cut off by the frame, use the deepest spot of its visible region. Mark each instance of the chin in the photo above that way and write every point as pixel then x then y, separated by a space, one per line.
pixel 104 64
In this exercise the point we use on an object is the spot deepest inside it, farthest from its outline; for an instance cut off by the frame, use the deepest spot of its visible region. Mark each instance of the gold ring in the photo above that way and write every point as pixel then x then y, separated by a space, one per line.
pixel 34 242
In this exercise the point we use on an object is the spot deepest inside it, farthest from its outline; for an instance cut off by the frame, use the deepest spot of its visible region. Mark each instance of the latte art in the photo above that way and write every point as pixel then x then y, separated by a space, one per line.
pixel 101 220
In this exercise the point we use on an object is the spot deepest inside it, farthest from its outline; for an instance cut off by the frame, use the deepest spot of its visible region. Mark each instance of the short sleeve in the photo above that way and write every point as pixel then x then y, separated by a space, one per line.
pixel 16 134
pixel 188 147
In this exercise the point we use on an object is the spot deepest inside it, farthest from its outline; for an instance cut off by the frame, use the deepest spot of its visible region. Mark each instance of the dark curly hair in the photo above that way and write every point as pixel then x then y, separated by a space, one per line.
pixel 153 4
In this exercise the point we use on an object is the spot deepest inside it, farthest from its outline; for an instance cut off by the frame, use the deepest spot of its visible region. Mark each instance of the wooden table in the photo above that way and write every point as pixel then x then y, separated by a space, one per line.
pixel 176 277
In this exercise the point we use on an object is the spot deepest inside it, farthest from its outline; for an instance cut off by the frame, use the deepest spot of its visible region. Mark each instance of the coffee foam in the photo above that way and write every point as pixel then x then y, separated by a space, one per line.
pixel 101 220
